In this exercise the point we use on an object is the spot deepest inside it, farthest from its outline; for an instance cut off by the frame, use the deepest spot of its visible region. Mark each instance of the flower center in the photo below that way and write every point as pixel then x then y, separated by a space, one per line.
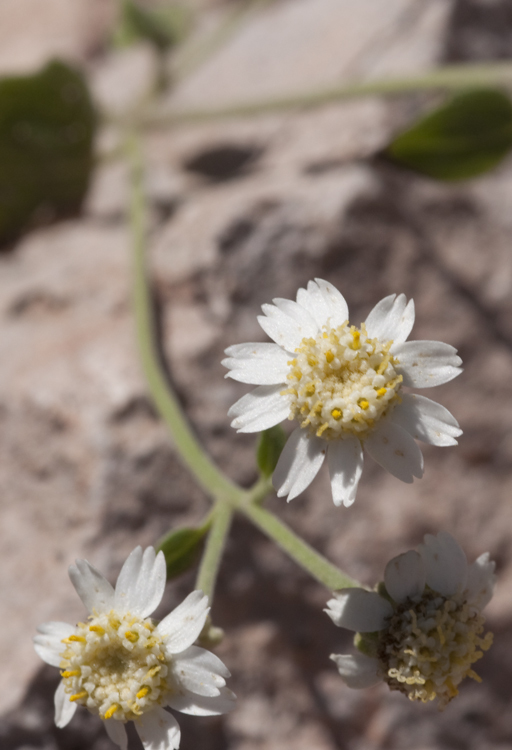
pixel 342 382
pixel 115 665
pixel 429 647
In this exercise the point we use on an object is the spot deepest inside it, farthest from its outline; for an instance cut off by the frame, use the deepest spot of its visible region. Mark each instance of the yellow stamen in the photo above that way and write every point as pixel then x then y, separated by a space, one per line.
pixel 78 696
pixel 75 638
pixel 97 629
pixel 312 361
pixel 131 636
pixel 329 356
pixel 336 414
pixel 322 429
pixel 153 671
pixel 356 343
pixel 364 404
pixel 70 673
pixel 143 691
pixel 309 390
pixel 111 711
pixel 382 392
pixel 474 676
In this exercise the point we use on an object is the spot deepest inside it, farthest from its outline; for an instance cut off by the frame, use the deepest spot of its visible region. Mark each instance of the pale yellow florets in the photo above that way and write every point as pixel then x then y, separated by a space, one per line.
pixel 429 647
pixel 115 665
pixel 342 382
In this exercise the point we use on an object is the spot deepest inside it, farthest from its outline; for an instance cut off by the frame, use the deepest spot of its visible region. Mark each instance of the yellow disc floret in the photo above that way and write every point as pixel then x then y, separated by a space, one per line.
pixel 342 382
pixel 115 665
pixel 429 647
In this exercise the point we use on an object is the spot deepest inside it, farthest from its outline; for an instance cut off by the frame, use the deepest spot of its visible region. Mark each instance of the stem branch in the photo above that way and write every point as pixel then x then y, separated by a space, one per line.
pixel 317 565
pixel 450 77
pixel 211 479
pixel 215 543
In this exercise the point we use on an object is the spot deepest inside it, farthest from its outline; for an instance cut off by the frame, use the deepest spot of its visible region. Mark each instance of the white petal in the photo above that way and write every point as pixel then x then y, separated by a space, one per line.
pixel 117 732
pixel 299 463
pixel 335 301
pixel 307 324
pixel 183 625
pixel 92 587
pixel 283 329
pixel 345 461
pixel 64 708
pixel 158 730
pixel 359 610
pixel 315 303
pixel 424 364
pixel 141 582
pixel 405 576
pixel 391 319
pixel 200 705
pixel 48 644
pixel 260 409
pixel 481 581
pixel 258 364
pixel 395 450
pixel 357 670
pixel 445 563
pixel 199 671
pixel 426 420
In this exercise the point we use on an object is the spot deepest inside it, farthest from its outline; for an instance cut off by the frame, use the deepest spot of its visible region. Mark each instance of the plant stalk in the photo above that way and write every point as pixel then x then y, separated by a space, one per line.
pixel 304 555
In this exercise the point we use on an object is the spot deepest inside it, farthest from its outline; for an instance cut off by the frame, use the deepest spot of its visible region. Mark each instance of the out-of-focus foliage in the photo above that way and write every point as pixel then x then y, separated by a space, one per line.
pixel 47 126
pixel 462 139
pixel 181 549
pixel 163 26
pixel 270 445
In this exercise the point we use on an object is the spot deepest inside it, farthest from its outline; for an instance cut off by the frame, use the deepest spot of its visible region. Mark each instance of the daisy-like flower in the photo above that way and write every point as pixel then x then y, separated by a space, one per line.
pixel 344 385
pixel 123 666
pixel 423 631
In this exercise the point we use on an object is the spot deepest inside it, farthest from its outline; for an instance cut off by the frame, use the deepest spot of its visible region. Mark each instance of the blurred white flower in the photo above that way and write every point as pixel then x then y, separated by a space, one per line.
pixel 123 666
pixel 423 632
pixel 345 387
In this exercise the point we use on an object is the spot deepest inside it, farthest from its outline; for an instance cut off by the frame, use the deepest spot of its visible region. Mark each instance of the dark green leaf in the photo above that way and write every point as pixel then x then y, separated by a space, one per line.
pixel 270 445
pixel 47 125
pixel 181 549
pixel 163 27
pixel 464 138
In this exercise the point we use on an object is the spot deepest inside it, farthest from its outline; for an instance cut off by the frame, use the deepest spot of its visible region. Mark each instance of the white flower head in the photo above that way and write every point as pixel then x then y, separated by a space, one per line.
pixel 123 666
pixel 424 631
pixel 344 385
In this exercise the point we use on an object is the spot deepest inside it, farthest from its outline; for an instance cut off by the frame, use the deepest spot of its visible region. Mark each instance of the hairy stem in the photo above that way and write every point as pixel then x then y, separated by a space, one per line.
pixel 450 77
pixel 304 555
pixel 211 479
pixel 215 543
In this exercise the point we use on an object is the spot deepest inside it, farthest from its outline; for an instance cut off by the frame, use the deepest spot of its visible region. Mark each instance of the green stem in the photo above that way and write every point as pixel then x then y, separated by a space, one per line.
pixel 451 77
pixel 211 479
pixel 215 543
pixel 317 565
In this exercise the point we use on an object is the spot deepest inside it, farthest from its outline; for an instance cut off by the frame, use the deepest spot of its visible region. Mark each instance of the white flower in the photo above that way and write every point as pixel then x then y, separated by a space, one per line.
pixel 423 632
pixel 345 387
pixel 123 666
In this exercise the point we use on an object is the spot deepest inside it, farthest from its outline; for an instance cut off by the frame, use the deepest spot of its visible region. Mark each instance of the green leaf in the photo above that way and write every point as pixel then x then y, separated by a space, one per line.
pixel 269 449
pixel 181 548
pixel 164 27
pixel 47 126
pixel 464 138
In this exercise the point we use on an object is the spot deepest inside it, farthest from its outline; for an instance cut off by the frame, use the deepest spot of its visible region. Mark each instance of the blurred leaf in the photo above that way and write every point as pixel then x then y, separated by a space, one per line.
pixel 181 549
pixel 47 125
pixel 164 27
pixel 269 449
pixel 464 138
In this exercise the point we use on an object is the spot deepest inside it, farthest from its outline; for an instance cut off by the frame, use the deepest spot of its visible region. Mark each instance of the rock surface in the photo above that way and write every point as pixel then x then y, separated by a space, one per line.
pixel 240 212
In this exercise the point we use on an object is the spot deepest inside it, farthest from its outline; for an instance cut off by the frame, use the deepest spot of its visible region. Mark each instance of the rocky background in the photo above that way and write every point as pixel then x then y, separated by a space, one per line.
pixel 242 211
